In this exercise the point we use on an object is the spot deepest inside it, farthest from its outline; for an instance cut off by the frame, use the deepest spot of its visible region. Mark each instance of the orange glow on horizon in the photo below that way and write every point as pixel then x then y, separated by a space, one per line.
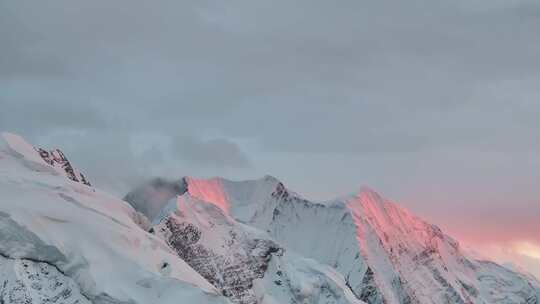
pixel 528 249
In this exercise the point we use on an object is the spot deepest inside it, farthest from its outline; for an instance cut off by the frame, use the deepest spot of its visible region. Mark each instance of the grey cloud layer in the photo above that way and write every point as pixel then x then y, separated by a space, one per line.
pixel 213 153
pixel 421 99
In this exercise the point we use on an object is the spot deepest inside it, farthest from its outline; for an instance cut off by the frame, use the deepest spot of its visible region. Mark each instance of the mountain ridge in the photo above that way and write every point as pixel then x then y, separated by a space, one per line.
pixel 381 229
pixel 222 241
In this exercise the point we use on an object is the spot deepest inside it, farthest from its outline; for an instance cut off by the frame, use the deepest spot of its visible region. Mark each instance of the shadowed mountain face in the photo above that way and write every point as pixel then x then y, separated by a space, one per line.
pixel 220 241
pixel 151 197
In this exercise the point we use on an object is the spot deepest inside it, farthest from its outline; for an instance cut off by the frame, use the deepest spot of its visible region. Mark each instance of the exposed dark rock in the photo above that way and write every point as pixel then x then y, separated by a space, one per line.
pixel 232 274
pixel 57 158
pixel 471 290
pixel 369 292
pixel 36 282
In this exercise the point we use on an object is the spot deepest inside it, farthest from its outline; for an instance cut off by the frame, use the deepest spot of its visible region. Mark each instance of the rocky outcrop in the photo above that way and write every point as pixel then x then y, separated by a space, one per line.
pixel 60 239
pixel 56 158
pixel 231 264
pixel 25 282
pixel 370 293
pixel 385 254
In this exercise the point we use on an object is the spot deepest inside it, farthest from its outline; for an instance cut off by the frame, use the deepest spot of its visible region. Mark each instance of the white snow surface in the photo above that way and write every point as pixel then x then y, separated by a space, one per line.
pixel 383 253
pixel 221 241
pixel 234 256
pixel 88 236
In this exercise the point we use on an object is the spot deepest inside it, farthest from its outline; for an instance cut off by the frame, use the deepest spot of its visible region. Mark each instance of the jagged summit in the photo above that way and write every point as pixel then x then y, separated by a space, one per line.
pixel 64 242
pixel 364 194
pixel 152 196
pixel 55 158
pixel 367 191
pixel 382 250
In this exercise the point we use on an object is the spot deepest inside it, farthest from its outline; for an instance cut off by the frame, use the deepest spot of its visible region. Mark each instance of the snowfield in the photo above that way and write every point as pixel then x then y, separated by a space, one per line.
pixel 84 238
pixel 220 241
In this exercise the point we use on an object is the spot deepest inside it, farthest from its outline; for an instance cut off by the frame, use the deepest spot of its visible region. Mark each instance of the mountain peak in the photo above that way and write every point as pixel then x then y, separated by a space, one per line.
pixel 53 161
pixel 366 190
pixel 246 240
pixel 365 195
pixel 270 178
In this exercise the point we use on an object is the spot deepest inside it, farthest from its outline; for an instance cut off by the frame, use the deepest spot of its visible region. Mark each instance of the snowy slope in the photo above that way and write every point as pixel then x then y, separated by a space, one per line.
pixel 244 263
pixel 383 253
pixel 427 265
pixel 62 241
pixel 55 159
pixel 220 241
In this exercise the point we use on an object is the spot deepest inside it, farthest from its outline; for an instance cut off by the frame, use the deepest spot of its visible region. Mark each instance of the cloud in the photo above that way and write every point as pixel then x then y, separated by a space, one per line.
pixel 212 153
pixel 435 103
pixel 397 75
pixel 105 157
pixel 528 249
pixel 520 255
pixel 34 116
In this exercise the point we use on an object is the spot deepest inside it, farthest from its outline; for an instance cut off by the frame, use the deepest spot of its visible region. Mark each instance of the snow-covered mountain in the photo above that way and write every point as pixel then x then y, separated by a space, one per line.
pixel 377 250
pixel 62 241
pixel 220 241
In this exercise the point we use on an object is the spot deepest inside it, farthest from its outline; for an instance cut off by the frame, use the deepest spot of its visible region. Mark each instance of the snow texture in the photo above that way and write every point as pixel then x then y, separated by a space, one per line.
pixel 55 229
pixel 221 241
pixel 370 248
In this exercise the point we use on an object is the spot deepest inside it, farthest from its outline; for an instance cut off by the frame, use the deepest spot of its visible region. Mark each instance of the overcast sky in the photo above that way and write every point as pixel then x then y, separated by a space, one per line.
pixel 434 103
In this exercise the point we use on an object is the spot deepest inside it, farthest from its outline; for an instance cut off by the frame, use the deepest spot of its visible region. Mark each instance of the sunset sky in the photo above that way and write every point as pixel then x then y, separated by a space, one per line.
pixel 433 103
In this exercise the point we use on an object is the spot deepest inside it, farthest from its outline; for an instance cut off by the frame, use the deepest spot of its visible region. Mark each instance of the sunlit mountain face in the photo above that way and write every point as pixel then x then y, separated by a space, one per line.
pixel 488 226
